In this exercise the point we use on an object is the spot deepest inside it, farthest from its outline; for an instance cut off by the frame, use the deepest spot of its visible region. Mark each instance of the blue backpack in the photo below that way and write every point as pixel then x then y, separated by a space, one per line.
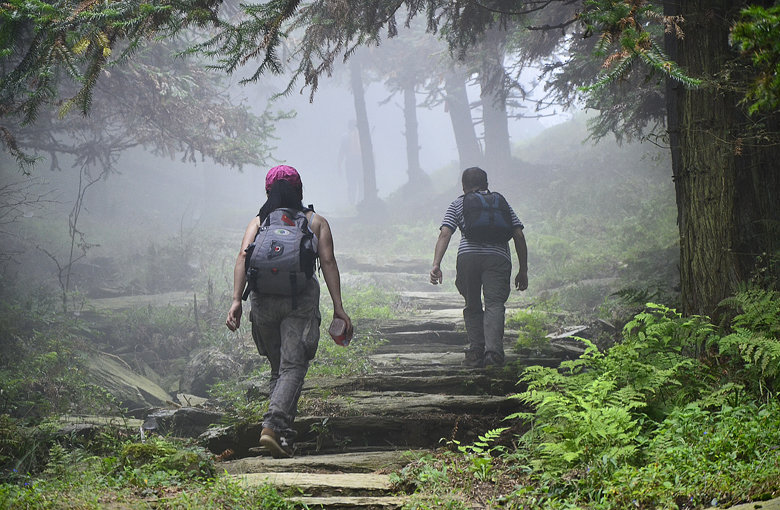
pixel 486 218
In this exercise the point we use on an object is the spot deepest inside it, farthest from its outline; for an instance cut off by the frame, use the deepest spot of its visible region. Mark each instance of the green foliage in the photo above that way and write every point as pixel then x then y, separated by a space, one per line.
pixel 624 31
pixel 480 454
pixel 430 479
pixel 596 424
pixel 55 53
pixel 23 449
pixel 78 39
pixel 42 363
pixel 533 326
pixel 225 492
pixel 656 421
pixel 334 360
pixel 367 302
pixel 423 472
pixel 233 396
pixel 176 474
pixel 757 35
pixel 576 247
pixel 364 304
pixel 160 462
pixel 704 457
pixel 755 339
pixel 593 410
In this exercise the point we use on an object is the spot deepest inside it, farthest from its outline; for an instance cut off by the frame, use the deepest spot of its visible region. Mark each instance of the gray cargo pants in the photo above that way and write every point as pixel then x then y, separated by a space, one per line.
pixel 288 337
pixel 490 274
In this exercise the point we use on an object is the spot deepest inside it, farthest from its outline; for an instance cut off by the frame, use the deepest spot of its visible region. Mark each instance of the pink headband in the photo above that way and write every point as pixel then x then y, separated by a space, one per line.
pixel 284 173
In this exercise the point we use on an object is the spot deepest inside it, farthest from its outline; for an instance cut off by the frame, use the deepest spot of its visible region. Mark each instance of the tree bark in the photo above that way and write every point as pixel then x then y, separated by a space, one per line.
pixel 493 92
pixel 457 102
pixel 364 132
pixel 412 138
pixel 726 182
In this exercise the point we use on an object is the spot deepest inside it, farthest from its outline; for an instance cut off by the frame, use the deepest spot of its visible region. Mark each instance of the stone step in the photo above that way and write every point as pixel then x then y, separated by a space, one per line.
pixel 427 347
pixel 433 300
pixel 463 383
pixel 322 484
pixel 398 339
pixel 352 462
pixel 413 323
pixel 448 358
pixel 423 428
pixel 456 344
pixel 354 502
pixel 361 404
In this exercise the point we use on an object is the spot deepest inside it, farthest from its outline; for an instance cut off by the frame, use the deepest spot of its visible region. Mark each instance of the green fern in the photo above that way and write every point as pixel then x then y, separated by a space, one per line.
pixel 595 410
pixel 583 427
pixel 755 340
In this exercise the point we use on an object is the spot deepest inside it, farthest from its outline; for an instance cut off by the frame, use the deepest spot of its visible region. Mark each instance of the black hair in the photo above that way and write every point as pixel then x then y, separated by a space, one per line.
pixel 282 194
pixel 474 177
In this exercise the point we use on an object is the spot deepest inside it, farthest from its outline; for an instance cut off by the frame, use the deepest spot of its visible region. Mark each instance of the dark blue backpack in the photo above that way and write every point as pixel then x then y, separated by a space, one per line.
pixel 486 218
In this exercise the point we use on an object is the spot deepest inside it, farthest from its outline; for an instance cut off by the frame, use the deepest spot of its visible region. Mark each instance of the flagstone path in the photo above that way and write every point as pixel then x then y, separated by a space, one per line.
pixel 417 396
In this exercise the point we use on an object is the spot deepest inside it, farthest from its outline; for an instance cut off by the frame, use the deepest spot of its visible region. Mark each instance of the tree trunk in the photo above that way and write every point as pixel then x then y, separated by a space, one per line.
pixel 412 138
pixel 492 77
pixel 457 102
pixel 726 182
pixel 364 132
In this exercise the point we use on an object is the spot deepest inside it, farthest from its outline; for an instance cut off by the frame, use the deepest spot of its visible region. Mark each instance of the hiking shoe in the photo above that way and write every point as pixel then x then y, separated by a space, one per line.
pixel 473 360
pixel 493 359
pixel 276 446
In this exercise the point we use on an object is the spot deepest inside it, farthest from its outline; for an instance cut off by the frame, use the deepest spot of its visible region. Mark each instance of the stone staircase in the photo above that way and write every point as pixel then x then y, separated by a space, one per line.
pixel 418 396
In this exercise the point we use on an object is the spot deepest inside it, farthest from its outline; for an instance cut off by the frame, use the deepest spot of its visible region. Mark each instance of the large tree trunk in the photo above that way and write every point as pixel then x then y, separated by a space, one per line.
pixel 457 102
pixel 727 183
pixel 493 91
pixel 364 132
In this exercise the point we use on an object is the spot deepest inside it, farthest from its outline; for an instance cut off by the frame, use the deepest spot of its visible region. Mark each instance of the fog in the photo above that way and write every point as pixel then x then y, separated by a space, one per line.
pixel 166 194
pixel 148 262
pixel 147 200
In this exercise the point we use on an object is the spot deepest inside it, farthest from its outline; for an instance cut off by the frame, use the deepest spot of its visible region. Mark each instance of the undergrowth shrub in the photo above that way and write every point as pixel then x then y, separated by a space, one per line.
pixel 755 339
pixel 42 364
pixel 702 457
pixel 129 473
pixel 158 461
pixel 660 420
pixel 593 410
pixel 532 325
pixel 23 449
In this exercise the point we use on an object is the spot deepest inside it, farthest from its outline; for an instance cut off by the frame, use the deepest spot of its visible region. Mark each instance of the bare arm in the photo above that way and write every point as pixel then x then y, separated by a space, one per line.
pixel 521 280
pixel 445 233
pixel 233 320
pixel 330 268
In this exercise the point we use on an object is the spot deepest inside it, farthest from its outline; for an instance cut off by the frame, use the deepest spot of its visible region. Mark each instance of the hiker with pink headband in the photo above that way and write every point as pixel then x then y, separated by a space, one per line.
pixel 275 267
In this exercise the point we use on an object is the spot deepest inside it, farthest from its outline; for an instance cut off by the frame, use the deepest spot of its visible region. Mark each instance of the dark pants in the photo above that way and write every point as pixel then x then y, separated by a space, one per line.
pixel 289 337
pixel 488 274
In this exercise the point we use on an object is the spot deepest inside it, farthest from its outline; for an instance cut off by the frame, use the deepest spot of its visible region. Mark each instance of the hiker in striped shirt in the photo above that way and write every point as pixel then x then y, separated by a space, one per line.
pixel 484 263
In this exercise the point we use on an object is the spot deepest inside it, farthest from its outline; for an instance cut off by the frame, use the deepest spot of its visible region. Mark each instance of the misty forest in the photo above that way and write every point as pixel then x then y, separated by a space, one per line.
pixel 638 142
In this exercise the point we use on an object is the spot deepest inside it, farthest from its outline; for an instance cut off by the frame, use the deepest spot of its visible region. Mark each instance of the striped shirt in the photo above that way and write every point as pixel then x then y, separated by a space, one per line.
pixel 453 219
